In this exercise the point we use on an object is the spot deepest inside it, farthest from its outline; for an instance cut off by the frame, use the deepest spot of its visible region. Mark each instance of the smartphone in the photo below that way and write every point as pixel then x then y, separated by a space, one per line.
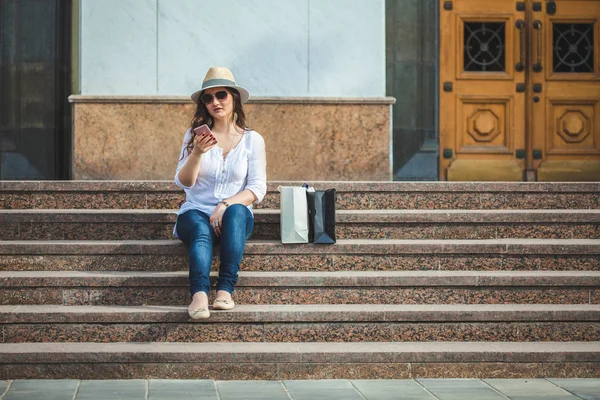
pixel 203 130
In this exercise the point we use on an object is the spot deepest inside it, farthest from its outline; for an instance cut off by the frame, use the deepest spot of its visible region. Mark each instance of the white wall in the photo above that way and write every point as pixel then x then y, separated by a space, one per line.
pixel 274 47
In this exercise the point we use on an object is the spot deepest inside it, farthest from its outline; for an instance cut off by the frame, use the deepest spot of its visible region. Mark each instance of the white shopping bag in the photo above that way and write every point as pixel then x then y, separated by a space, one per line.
pixel 293 214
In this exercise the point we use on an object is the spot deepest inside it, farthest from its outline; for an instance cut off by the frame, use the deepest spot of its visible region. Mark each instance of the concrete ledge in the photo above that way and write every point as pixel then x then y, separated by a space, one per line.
pixel 342 216
pixel 145 224
pixel 351 195
pixel 253 100
pixel 297 353
pixel 345 247
pixel 341 186
pixel 349 279
pixel 306 313
pixel 295 371
pixel 312 139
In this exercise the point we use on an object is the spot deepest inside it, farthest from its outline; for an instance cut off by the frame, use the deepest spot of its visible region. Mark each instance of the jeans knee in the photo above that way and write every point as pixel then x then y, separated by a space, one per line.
pixel 201 237
pixel 193 225
pixel 236 212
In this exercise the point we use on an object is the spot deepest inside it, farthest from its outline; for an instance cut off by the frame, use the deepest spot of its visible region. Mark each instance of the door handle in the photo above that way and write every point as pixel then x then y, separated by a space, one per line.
pixel 520 66
pixel 537 67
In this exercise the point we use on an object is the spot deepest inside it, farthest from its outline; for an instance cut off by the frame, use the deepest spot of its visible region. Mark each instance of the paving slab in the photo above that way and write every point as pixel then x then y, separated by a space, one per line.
pixel 391 390
pixel 168 389
pixel 587 389
pixel 421 389
pixel 251 390
pixel 42 389
pixel 134 389
pixel 458 389
pixel 530 389
pixel 330 389
pixel 3 387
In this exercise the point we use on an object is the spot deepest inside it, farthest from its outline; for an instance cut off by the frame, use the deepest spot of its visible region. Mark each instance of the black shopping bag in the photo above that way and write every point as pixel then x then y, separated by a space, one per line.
pixel 321 211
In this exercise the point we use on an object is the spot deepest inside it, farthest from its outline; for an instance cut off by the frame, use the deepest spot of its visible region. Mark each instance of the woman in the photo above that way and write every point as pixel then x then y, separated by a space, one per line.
pixel 222 174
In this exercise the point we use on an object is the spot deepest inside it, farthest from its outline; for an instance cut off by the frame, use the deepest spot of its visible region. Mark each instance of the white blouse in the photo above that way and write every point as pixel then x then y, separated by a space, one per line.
pixel 244 167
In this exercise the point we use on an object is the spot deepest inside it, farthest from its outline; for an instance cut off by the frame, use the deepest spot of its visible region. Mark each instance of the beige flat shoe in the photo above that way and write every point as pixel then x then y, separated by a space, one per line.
pixel 223 304
pixel 199 313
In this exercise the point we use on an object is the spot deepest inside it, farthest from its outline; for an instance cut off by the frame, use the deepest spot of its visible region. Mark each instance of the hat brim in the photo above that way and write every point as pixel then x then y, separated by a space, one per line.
pixel 244 94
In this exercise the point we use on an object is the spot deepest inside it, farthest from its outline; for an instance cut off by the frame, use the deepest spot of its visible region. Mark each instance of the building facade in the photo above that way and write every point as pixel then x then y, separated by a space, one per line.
pixel 340 89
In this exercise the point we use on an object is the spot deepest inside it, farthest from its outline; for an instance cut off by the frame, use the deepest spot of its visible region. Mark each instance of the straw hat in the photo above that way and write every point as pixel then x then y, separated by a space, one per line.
pixel 220 77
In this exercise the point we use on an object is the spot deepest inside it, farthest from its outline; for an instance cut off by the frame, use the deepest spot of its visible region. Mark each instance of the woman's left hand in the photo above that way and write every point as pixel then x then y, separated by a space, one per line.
pixel 216 219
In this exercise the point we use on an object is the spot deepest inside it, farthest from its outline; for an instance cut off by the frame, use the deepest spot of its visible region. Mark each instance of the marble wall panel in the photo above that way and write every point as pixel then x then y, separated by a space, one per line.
pixel 118 47
pixel 346 48
pixel 263 42
pixel 275 48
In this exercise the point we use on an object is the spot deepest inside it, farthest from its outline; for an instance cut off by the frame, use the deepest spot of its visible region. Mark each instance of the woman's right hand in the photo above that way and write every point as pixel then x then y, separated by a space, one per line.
pixel 203 143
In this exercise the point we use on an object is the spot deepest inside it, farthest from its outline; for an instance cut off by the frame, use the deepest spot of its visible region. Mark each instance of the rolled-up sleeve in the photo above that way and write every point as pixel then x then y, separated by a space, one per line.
pixel 257 167
pixel 182 160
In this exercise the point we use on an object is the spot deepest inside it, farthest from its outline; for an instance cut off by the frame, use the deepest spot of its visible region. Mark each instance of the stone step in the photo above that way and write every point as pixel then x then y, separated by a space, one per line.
pixel 279 313
pixel 351 195
pixel 350 287
pixel 274 361
pixel 350 224
pixel 346 255
pixel 302 323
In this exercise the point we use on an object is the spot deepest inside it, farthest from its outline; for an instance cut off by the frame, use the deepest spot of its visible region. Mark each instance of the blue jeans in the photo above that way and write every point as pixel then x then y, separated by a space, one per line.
pixel 195 231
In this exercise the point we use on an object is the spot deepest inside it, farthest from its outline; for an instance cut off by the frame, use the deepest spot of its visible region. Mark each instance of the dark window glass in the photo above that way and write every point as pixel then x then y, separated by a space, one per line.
pixel 34 87
pixel 573 47
pixel 484 46
pixel 412 78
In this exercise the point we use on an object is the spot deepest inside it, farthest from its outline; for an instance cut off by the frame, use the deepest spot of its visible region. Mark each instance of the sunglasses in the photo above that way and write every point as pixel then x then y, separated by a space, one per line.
pixel 207 98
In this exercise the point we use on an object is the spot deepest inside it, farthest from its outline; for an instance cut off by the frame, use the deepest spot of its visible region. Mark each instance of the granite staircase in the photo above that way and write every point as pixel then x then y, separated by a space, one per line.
pixel 427 280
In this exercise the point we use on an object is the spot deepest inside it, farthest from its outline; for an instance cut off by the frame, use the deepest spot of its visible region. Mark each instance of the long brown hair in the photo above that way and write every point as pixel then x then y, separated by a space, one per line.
pixel 202 116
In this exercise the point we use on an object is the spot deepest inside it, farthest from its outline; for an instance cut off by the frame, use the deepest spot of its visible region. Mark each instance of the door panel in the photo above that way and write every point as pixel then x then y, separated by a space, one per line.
pixel 566 119
pixel 482 119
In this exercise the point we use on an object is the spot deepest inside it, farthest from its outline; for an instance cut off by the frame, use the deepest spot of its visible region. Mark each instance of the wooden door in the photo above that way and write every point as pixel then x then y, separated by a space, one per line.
pixel 565 89
pixel 482 90
pixel 519 90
